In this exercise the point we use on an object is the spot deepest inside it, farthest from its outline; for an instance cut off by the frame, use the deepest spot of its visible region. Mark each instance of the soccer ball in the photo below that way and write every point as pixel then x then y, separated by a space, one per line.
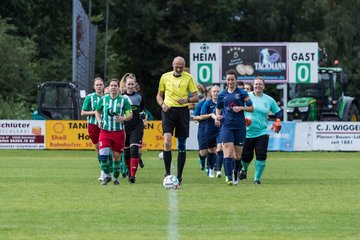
pixel 171 182
pixel 161 155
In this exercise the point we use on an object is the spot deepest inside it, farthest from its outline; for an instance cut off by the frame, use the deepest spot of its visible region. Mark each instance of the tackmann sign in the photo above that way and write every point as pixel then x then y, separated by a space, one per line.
pixel 250 60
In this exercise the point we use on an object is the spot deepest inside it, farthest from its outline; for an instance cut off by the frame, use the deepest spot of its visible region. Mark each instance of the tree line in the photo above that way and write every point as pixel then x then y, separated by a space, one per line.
pixel 144 37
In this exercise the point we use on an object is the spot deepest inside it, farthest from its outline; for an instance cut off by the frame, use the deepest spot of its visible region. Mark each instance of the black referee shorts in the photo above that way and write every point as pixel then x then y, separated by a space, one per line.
pixel 177 118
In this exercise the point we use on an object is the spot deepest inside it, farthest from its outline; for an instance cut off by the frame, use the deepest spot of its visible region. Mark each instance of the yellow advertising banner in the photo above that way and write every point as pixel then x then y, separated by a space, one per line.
pixel 153 138
pixel 63 134
pixel 72 134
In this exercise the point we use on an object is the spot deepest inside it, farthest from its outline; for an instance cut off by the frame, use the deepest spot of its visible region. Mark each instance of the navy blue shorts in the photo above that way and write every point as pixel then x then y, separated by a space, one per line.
pixel 218 137
pixel 201 137
pixel 211 135
pixel 236 136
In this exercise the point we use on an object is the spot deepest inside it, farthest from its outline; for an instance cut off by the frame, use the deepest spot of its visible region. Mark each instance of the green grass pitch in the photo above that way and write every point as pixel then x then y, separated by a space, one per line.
pixel 56 195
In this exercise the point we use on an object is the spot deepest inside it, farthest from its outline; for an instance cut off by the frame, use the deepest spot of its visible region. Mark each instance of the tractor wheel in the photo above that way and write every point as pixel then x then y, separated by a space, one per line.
pixel 353 114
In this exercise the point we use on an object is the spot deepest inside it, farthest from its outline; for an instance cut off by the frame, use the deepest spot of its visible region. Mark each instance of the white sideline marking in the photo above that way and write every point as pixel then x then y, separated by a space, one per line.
pixel 173 215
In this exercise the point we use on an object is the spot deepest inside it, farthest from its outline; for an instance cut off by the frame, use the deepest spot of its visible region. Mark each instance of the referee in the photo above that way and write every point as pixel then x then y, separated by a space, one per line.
pixel 173 97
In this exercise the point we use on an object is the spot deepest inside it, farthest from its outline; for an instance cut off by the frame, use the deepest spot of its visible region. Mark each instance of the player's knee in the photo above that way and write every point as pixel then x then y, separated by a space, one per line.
pixel 134 151
pixel 126 153
pixel 104 151
pixel 104 154
pixel 261 156
pixel 246 157
pixel 167 141
pixel 117 165
pixel 181 144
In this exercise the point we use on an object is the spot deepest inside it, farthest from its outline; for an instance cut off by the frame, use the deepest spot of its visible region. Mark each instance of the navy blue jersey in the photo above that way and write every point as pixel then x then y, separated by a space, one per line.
pixel 197 111
pixel 208 108
pixel 226 101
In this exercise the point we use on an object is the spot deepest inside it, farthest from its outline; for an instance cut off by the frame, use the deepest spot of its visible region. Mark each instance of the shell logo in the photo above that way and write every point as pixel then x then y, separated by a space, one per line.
pixel 58 127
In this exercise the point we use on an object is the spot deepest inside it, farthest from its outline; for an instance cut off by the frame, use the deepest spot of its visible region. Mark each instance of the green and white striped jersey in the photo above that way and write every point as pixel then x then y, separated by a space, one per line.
pixel 110 108
pixel 90 104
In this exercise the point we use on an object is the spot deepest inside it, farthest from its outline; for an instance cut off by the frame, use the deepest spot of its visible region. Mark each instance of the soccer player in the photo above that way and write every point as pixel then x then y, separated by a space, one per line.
pixel 211 130
pixel 257 134
pixel 134 128
pixel 88 109
pixel 173 98
pixel 248 87
pixel 240 84
pixel 144 117
pixel 232 101
pixel 203 152
pixel 111 112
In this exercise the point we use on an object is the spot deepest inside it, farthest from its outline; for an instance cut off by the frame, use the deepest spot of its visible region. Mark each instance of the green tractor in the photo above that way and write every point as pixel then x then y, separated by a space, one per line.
pixel 322 101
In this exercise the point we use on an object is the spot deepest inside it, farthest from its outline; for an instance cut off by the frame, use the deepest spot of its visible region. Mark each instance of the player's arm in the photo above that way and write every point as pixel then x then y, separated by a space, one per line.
pixel 98 118
pixel 248 103
pixel 128 115
pixel 217 123
pixel 204 109
pixel 160 100
pixel 276 127
pixel 143 112
pixel 193 90
pixel 218 115
pixel 86 110
pixel 194 98
pixel 219 107
pixel 87 113
pixel 98 112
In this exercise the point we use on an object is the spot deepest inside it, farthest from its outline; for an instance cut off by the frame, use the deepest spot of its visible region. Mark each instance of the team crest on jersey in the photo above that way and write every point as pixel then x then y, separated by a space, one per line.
pixel 237 96
pixel 232 104
pixel 111 113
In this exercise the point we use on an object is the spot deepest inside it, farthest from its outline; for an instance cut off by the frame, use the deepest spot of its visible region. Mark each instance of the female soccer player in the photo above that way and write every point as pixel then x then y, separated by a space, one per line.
pixel 88 109
pixel 257 134
pixel 203 152
pixel 211 130
pixel 232 101
pixel 111 112
pixel 134 128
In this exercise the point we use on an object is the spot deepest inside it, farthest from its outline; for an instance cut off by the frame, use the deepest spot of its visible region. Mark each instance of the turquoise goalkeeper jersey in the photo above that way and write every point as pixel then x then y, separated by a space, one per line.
pixel 262 106
pixel 90 104
pixel 110 108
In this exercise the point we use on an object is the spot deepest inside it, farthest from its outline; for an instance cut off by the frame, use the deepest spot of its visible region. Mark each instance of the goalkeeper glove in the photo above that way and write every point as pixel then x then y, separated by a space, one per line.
pixel 248 122
pixel 276 127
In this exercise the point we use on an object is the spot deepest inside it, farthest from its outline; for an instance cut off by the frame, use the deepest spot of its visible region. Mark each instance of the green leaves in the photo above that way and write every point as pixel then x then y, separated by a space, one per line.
pixel 144 36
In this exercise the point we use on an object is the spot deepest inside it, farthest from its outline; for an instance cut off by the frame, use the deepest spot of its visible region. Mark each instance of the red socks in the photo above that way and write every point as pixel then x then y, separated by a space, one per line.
pixel 134 162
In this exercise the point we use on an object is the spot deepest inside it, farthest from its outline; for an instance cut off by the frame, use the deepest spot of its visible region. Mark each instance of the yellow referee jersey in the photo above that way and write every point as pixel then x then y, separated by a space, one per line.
pixel 175 88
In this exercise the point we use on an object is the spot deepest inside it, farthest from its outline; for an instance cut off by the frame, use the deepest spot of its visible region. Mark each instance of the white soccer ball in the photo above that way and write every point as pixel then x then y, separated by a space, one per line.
pixel 171 182
pixel 161 155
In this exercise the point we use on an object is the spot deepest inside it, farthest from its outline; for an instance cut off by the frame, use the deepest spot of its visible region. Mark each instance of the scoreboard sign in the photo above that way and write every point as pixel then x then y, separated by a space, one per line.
pixel 275 62
pixel 303 62
pixel 205 62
